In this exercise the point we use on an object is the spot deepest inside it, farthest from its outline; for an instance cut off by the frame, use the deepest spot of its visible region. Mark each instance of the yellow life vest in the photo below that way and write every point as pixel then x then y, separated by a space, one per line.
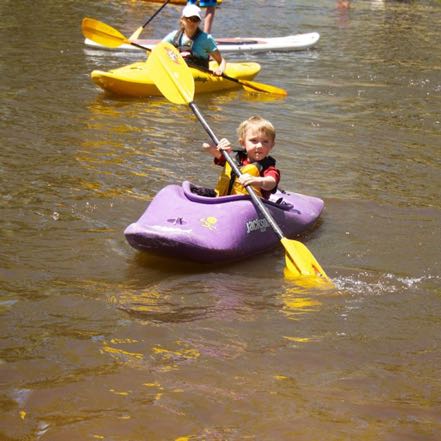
pixel 227 183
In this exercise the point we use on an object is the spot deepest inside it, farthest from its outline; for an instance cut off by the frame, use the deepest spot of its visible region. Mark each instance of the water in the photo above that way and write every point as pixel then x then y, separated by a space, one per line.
pixel 101 342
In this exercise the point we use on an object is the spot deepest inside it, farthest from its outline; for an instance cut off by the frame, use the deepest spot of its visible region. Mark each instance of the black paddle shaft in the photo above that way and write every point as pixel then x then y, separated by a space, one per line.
pixel 256 200
pixel 156 13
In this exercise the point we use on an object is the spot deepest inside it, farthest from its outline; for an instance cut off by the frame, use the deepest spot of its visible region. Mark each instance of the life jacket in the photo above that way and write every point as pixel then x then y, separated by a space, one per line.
pixel 227 183
pixel 187 48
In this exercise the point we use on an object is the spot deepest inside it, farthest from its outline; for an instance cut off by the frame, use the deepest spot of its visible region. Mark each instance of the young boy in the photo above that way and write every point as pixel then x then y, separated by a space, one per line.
pixel 257 138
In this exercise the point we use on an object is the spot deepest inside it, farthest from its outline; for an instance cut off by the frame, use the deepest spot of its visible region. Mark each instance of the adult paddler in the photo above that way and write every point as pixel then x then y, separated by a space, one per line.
pixel 195 45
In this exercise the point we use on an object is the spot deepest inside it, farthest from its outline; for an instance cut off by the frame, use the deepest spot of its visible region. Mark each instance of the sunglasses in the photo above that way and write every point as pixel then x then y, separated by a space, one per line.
pixel 193 19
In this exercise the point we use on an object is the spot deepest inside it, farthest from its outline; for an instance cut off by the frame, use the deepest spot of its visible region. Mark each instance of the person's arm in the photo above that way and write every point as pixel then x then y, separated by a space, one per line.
pixel 267 182
pixel 169 37
pixel 222 64
pixel 216 151
pixel 212 150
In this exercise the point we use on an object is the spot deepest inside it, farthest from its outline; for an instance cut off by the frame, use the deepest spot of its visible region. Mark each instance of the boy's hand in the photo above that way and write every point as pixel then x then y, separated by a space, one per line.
pixel 247 179
pixel 211 149
pixel 265 183
pixel 224 144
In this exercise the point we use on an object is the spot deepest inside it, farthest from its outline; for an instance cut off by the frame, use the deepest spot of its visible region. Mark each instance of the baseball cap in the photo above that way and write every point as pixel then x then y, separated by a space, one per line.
pixel 192 11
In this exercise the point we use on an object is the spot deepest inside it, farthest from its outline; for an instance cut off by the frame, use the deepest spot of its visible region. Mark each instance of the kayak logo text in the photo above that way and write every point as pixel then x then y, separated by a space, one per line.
pixel 257 225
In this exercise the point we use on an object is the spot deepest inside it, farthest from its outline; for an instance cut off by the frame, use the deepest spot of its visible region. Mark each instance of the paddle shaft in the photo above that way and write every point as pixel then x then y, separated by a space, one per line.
pixel 227 77
pixel 156 13
pixel 256 200
pixel 139 46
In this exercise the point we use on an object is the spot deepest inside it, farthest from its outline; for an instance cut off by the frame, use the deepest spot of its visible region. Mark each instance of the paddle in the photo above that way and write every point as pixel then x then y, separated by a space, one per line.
pixel 107 36
pixel 175 81
pixel 138 32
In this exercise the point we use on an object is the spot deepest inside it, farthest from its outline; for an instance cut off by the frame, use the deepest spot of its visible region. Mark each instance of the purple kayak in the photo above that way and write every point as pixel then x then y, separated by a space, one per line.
pixel 179 223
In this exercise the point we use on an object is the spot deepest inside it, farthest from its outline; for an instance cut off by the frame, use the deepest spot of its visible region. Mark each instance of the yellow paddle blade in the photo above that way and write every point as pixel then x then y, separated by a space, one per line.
pixel 171 74
pixel 300 262
pixel 136 34
pixel 102 33
pixel 254 87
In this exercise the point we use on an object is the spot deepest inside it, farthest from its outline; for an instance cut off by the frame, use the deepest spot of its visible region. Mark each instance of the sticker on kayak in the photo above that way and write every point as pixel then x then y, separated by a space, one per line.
pixel 257 225
pixel 209 222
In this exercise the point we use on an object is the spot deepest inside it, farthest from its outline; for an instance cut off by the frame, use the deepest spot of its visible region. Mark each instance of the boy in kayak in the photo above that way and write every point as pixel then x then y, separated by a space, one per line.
pixel 256 138
pixel 210 6
pixel 195 45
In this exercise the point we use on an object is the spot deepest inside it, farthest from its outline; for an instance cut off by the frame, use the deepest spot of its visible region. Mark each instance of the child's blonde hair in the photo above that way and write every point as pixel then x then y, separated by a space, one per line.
pixel 261 124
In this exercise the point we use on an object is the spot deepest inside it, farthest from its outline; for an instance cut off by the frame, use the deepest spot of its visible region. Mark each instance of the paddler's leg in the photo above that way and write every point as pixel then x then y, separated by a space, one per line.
pixel 209 19
pixel 210 6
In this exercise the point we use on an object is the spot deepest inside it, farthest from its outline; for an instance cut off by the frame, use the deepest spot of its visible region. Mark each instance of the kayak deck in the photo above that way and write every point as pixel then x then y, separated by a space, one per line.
pixel 134 79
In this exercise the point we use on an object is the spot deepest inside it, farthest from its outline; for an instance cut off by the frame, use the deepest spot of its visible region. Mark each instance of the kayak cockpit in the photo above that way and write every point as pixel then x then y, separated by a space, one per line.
pixel 191 193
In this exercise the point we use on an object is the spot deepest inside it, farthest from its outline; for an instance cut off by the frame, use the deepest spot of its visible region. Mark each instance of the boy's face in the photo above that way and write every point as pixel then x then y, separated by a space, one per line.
pixel 257 144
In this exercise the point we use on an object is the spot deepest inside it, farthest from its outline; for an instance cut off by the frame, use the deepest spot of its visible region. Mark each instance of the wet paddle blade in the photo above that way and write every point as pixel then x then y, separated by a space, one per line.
pixel 171 74
pixel 299 261
pixel 102 33
pixel 254 87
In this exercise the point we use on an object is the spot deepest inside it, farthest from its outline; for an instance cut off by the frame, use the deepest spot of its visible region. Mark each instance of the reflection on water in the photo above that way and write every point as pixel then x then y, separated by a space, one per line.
pixel 294 306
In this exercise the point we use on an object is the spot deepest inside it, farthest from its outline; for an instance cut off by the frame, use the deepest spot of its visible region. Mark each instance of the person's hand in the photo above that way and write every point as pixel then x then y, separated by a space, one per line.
pixel 224 144
pixel 218 71
pixel 221 66
pixel 247 179
pixel 210 148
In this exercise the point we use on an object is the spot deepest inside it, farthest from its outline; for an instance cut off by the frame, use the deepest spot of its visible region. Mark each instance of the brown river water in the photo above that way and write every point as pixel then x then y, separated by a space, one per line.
pixel 100 342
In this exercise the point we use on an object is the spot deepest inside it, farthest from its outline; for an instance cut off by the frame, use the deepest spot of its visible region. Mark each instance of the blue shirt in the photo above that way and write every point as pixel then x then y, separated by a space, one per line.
pixel 202 47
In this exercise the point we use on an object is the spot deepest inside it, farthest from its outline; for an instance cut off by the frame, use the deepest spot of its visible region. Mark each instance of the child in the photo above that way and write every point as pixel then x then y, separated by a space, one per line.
pixel 257 138
pixel 195 45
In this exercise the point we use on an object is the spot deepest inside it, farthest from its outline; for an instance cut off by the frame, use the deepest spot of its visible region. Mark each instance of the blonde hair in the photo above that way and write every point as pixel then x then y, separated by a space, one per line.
pixel 259 123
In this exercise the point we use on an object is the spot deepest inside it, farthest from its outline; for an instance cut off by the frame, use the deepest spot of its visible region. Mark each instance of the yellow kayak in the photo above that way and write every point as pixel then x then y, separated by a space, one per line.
pixel 134 79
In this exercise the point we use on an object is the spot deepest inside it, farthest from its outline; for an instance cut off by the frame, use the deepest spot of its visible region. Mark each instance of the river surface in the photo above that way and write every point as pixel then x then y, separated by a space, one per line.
pixel 100 342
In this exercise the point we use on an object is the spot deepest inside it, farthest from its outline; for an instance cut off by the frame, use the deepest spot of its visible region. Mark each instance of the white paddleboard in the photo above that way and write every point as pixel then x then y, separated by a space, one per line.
pixel 230 45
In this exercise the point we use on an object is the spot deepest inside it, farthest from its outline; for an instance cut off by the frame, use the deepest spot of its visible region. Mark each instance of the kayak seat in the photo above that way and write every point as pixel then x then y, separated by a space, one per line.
pixel 202 195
